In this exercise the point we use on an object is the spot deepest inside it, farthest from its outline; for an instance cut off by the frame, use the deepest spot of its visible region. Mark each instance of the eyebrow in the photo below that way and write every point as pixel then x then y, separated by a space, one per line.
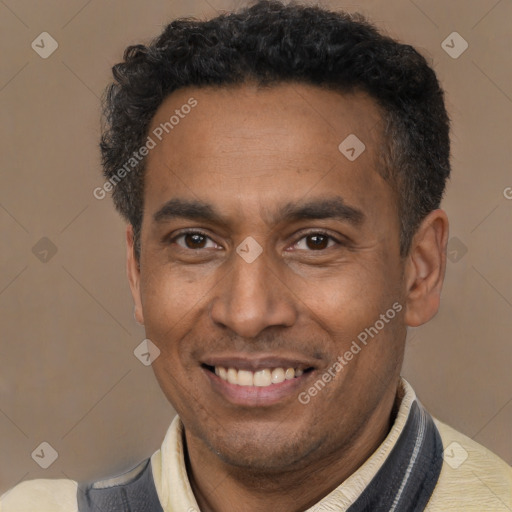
pixel 331 208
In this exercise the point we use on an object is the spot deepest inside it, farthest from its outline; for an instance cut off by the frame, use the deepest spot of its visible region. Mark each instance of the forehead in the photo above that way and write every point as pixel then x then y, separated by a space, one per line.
pixel 248 147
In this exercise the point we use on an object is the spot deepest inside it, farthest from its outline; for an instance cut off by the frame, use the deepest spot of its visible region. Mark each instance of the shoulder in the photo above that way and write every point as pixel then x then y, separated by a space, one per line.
pixel 472 477
pixel 41 495
pixel 62 496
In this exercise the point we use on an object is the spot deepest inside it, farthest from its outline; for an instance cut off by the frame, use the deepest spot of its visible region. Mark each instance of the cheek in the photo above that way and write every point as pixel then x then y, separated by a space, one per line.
pixel 171 306
pixel 350 297
pixel 171 291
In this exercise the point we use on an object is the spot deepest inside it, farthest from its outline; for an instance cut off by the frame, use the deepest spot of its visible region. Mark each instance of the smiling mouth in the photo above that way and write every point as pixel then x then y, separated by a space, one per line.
pixel 264 377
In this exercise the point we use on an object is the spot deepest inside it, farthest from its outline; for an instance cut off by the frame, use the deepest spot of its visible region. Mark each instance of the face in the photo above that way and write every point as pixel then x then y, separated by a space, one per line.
pixel 265 255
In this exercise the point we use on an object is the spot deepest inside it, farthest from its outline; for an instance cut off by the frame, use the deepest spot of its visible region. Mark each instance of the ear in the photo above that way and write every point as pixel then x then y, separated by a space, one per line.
pixel 133 271
pixel 425 268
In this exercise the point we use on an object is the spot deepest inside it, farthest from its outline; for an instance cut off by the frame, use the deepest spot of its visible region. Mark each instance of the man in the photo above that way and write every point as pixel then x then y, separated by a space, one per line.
pixel 281 171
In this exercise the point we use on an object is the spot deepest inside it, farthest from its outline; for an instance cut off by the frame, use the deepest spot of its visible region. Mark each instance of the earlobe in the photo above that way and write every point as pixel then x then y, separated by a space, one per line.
pixel 425 269
pixel 133 272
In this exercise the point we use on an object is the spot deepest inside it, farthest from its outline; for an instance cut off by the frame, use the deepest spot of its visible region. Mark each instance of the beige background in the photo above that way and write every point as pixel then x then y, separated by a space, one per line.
pixel 68 375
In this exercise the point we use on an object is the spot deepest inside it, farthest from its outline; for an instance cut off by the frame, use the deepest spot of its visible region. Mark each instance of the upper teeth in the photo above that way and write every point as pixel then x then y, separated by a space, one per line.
pixel 261 378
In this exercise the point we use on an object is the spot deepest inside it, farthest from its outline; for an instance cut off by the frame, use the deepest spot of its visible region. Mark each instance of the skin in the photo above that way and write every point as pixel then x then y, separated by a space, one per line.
pixel 247 151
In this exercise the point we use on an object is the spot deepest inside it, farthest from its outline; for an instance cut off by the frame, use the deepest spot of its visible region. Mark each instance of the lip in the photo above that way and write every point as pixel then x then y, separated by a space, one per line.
pixel 256 396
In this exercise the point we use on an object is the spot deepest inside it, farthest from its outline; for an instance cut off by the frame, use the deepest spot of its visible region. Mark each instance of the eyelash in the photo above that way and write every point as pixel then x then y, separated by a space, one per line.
pixel 303 235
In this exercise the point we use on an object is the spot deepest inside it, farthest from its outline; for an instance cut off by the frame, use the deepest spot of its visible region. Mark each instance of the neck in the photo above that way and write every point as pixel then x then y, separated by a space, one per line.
pixel 218 486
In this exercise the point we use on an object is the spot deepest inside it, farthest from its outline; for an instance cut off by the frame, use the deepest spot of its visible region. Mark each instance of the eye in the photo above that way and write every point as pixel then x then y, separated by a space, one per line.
pixel 316 241
pixel 194 240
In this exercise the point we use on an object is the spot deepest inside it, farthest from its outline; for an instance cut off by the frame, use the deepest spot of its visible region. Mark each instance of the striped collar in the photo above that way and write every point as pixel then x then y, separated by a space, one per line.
pixel 399 476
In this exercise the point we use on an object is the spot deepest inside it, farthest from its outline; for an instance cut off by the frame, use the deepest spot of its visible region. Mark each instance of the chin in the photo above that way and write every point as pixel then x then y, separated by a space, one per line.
pixel 264 453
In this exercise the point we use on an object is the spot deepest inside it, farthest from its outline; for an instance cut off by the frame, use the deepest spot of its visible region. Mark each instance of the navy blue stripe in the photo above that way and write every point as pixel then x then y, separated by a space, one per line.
pixel 400 483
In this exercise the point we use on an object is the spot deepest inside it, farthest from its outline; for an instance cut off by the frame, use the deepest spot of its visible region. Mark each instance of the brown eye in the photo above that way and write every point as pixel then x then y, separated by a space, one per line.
pixel 317 241
pixel 194 240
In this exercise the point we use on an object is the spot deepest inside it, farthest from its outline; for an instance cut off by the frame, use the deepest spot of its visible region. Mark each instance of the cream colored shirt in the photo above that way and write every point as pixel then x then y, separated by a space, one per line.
pixel 472 478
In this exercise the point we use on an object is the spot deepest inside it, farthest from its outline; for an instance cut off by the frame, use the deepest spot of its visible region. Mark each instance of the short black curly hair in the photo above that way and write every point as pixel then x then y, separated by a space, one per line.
pixel 271 43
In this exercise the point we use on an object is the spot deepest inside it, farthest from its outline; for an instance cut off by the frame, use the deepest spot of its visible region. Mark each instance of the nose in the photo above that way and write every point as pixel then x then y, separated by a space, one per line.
pixel 252 297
